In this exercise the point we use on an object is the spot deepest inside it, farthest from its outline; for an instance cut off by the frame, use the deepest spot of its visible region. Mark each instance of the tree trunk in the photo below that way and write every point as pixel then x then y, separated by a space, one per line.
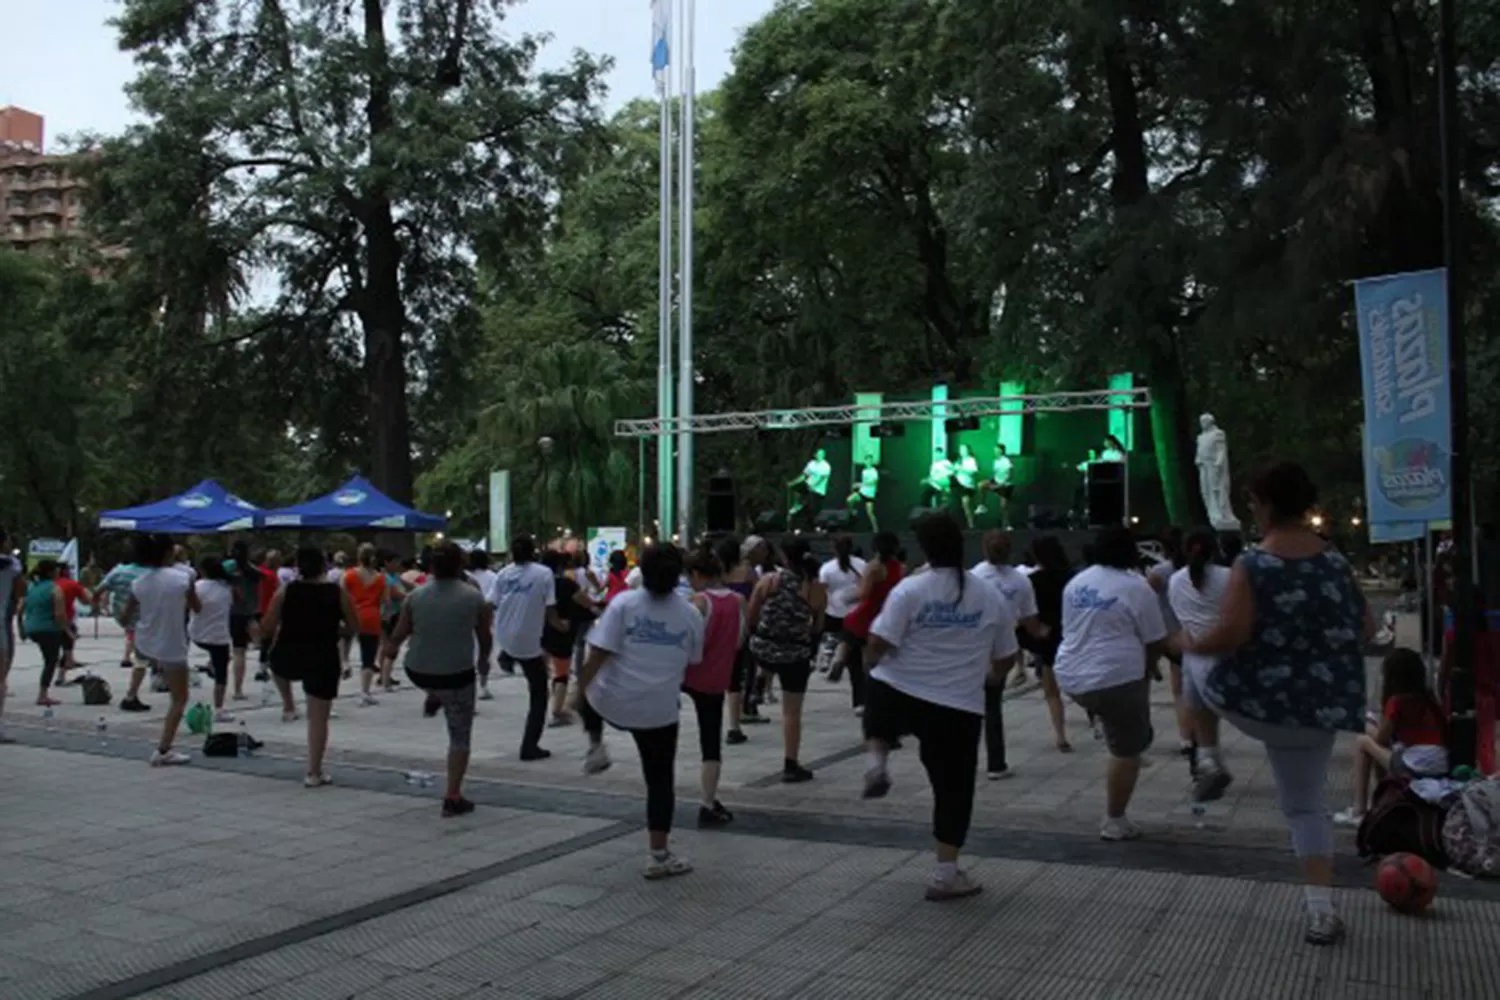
pixel 1170 422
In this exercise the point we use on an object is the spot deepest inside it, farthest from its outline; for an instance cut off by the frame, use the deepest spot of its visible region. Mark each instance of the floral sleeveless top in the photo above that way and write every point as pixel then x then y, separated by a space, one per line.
pixel 1304 665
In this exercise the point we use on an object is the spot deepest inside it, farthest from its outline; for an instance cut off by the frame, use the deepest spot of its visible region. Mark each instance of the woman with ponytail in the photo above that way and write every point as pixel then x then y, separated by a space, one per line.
pixel 1195 593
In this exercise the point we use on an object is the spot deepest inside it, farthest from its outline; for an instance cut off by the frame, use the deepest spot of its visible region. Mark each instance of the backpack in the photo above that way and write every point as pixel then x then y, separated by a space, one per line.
pixel 1471 834
pixel 95 690
pixel 1399 820
pixel 784 633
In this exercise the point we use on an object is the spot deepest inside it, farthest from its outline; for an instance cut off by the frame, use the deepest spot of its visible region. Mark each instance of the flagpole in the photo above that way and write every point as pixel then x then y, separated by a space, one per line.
pixel 685 279
pixel 661 63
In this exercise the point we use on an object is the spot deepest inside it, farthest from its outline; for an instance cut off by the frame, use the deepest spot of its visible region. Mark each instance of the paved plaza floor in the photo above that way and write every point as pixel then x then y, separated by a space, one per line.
pixel 227 879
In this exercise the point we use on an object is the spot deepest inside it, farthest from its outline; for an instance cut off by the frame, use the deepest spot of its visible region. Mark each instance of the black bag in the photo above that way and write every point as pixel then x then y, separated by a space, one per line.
pixel 95 690
pixel 1400 820
pixel 222 745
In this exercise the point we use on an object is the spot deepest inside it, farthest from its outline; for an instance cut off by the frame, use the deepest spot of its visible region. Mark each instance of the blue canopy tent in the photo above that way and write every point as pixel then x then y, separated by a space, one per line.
pixel 356 504
pixel 207 507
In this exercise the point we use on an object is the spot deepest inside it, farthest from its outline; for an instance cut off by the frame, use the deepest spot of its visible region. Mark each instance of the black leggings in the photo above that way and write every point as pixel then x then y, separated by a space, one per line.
pixel 658 751
pixel 710 711
pixel 538 682
pixel 854 662
pixel 51 645
pixel 949 742
pixel 994 726
pixel 218 661
pixel 369 650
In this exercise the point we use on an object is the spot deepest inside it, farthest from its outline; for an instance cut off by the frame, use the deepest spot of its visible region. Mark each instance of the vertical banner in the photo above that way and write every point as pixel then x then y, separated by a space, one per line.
pixel 602 542
pixel 39 549
pixel 1403 348
pixel 500 510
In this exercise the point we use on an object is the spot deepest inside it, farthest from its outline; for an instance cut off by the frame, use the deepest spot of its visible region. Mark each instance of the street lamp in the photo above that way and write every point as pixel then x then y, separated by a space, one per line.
pixel 544 446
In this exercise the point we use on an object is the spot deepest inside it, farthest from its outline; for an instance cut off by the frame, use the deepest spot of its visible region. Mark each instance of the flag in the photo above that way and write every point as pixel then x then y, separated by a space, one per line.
pixel 661 48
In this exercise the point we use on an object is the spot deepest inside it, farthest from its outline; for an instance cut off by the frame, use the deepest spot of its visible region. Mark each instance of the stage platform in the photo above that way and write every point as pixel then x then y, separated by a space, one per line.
pixel 1073 541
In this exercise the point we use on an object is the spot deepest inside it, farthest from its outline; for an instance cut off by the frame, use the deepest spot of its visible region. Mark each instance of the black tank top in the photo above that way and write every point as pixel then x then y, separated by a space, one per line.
pixel 310 617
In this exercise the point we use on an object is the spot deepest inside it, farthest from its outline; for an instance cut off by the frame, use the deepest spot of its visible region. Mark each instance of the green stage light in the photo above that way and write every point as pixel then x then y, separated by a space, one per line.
pixel 1012 425
pixel 1121 422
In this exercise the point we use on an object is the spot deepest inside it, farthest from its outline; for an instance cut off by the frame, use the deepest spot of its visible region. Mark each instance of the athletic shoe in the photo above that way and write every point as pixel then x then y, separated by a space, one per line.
pixel 290 716
pixel 222 715
pixel 46 701
pixel 713 816
pixel 960 885
pixel 485 695
pixel 1350 818
pixel 262 676
pixel 240 696
pixel 1119 829
pixel 559 721
pixel 1000 775
pixel 596 760
pixel 316 781
pixel 754 719
pixel 134 705
pixel 795 774
pixel 1324 928
pixel 859 711
pixel 877 783
pixel 668 866
pixel 535 753
pixel 169 759
pixel 1210 786
pixel 735 737
pixel 457 807
pixel 367 701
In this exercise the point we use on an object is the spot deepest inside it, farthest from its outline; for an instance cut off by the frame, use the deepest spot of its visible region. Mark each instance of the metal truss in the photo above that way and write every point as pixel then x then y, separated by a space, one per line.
pixel 903 412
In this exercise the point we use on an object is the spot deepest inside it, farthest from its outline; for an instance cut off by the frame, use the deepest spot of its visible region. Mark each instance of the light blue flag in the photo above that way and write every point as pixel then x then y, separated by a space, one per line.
pixel 661 46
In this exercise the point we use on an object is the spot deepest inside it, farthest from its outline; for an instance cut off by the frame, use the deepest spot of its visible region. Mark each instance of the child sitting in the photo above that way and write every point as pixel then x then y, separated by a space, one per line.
pixel 1408 739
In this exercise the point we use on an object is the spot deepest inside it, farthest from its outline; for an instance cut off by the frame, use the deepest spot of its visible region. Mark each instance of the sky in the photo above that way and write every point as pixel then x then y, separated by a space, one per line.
pixel 62 62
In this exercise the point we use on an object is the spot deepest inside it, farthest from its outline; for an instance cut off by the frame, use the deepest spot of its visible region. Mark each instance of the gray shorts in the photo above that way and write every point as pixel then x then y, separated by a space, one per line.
pixel 1125 712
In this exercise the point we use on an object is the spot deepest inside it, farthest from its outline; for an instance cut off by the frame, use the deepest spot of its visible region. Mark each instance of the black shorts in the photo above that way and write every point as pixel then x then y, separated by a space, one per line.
pixel 318 670
pixel 832 625
pixel 959 489
pixel 739 677
pixel 239 630
pixel 1003 490
pixel 793 676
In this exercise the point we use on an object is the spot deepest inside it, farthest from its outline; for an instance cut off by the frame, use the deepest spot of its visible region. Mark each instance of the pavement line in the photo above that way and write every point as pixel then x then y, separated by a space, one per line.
pixel 177 972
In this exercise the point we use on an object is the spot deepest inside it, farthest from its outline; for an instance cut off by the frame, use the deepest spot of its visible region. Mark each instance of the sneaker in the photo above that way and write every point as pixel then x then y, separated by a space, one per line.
pixel 457 807
pixel 262 676
pixel 1119 829
pixel 47 701
pixel 877 783
pixel 535 753
pixel 316 781
pixel 668 866
pixel 290 716
pixel 1186 748
pixel 1000 775
pixel 559 721
pixel 754 719
pixel 735 737
pixel 240 696
pixel 223 715
pixel 169 759
pixel 367 701
pixel 134 705
pixel 1350 818
pixel 960 885
pixel 714 816
pixel 596 760
pixel 795 774
pixel 1210 786
pixel 1324 929
pixel 859 711
pixel 485 695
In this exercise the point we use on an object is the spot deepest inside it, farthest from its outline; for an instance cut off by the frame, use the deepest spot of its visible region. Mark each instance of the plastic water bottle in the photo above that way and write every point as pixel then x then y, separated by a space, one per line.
pixel 1199 812
pixel 102 728
pixel 244 740
pixel 421 779
pixel 265 693
pixel 49 719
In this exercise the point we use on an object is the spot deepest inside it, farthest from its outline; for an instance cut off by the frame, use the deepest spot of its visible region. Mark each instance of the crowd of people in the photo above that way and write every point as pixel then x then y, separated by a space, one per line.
pixel 928 645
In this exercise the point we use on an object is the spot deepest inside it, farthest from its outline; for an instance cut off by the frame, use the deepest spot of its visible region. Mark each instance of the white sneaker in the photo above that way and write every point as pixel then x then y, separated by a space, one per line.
pixel 484 694
pixel 316 781
pixel 957 887
pixel 859 713
pixel 290 716
pixel 169 759
pixel 1350 818
pixel 1119 829
pixel 367 701
pixel 223 715
pixel 1000 775
pixel 668 867
pixel 596 760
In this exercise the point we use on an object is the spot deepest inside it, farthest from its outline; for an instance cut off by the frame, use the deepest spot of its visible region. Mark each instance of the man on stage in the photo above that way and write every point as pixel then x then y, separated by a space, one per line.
pixel 999 484
pixel 864 493
pixel 939 482
pixel 814 486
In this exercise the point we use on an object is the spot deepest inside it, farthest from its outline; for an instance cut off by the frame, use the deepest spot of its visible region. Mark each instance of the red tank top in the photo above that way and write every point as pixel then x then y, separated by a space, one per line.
pixel 857 622
pixel 721 641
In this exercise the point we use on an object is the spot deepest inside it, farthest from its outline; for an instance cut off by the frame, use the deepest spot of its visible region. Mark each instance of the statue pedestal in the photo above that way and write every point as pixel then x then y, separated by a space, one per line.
pixel 1228 526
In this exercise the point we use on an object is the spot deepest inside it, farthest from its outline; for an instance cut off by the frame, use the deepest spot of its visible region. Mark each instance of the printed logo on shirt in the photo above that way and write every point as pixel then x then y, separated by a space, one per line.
pixel 514 586
pixel 945 614
pixel 1088 599
pixel 654 633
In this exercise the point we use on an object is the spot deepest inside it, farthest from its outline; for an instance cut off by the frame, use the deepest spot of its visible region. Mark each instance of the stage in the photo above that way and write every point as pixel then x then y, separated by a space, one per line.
pixel 1073 540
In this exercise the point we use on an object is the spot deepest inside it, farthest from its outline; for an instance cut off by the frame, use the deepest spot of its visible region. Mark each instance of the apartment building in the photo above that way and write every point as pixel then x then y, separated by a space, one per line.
pixel 41 198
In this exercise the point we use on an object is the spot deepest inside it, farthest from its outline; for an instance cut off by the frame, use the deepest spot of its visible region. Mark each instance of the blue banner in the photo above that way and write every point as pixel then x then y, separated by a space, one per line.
pixel 1403 349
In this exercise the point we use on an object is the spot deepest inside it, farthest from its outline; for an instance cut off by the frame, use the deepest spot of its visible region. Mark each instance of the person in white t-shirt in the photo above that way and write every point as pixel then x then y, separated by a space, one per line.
pixel 523 597
pixel 161 597
pixel 814 484
pixel 1014 586
pixel 841 577
pixel 1158 575
pixel 1196 593
pixel 937 640
pixel 1112 628
pixel 209 627
pixel 966 481
pixel 639 652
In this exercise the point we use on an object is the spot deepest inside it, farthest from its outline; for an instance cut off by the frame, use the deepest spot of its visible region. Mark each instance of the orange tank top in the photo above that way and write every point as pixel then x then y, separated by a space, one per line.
pixel 367 598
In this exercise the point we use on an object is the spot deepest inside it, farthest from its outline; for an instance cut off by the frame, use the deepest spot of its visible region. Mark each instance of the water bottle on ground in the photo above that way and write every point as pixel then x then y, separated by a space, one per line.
pixel 244 740
pixel 420 779
pixel 102 728
pixel 1200 811
pixel 49 719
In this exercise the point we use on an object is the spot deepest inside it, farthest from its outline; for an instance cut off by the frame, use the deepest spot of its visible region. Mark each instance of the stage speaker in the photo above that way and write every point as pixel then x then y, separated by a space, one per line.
pixel 1106 493
pixel 888 431
pixel 833 520
pixel 769 521
pixel 720 508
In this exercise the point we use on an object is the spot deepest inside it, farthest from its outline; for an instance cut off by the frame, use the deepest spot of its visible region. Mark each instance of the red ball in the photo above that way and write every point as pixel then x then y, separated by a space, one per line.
pixel 1406 882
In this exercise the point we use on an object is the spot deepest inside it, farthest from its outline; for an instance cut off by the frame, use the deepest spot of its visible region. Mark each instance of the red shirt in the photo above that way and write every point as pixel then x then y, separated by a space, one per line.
pixel 615 584
pixel 1418 722
pixel 72 590
pixel 269 584
pixel 857 622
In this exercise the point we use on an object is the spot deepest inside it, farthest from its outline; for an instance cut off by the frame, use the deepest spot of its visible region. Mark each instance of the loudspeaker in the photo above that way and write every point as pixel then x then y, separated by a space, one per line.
pixel 836 519
pixel 769 521
pixel 720 508
pixel 1106 493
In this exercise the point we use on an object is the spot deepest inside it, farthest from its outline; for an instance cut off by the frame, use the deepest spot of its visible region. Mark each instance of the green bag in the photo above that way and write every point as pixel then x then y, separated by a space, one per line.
pixel 199 719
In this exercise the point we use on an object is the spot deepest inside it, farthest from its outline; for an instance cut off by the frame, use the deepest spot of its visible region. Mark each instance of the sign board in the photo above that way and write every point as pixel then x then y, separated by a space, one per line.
pixel 602 542
pixel 44 548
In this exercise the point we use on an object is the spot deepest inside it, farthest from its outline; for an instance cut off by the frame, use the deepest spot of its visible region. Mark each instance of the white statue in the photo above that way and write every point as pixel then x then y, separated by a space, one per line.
pixel 1213 475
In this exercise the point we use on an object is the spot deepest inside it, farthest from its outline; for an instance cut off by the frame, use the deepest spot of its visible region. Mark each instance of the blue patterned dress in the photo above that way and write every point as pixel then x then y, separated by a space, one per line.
pixel 1304 666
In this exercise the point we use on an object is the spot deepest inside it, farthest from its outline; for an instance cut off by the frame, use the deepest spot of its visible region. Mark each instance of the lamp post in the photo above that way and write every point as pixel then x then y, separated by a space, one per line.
pixel 544 448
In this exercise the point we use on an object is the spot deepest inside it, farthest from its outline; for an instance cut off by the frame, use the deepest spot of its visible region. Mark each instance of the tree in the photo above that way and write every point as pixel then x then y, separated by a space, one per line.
pixel 355 160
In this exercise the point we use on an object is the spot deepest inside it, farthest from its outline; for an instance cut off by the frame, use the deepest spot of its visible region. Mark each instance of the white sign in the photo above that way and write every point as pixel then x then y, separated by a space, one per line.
pixel 602 542
pixel 500 510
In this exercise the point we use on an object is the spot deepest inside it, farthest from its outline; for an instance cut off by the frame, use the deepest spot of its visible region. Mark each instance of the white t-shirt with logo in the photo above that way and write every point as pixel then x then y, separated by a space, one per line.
pixel 521 594
pixel 651 641
pixel 1001 470
pixel 1198 610
pixel 966 471
pixel 210 626
pixel 869 482
pixel 942 646
pixel 1108 617
pixel 843 588
pixel 1013 585
pixel 817 474
pixel 161 632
